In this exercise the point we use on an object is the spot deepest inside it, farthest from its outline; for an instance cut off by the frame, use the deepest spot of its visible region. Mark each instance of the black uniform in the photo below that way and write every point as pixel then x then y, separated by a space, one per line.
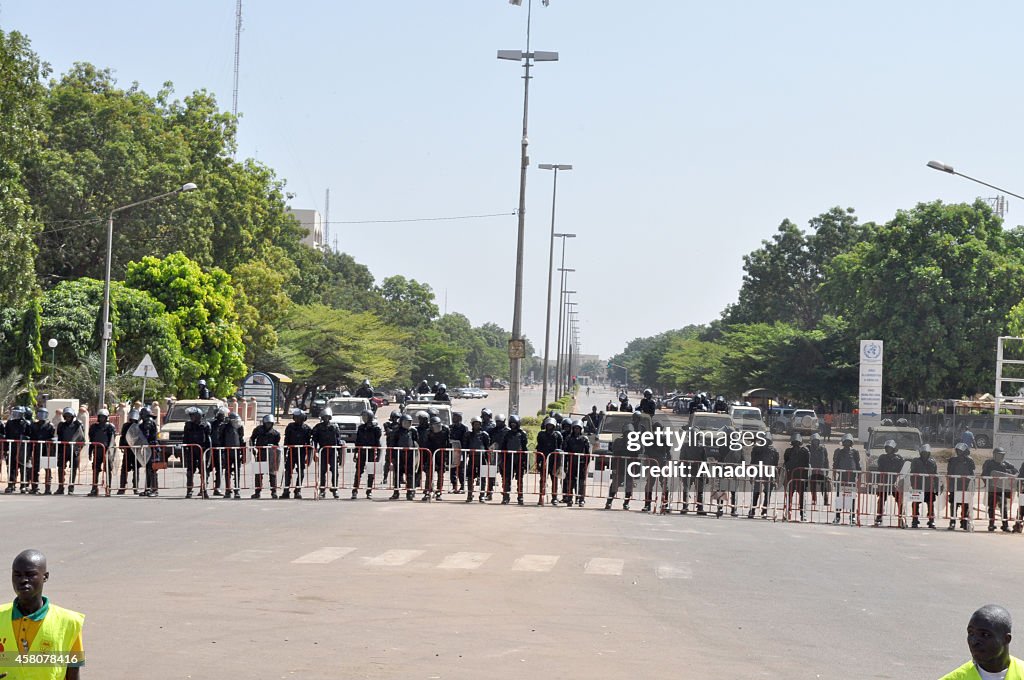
pixel 959 469
pixel 70 437
pixel 998 495
pixel 326 439
pixel 101 438
pixel 796 459
pixel 889 465
pixel 476 445
pixel 656 455
pixel 42 435
pixel 204 392
pixel 513 461
pixel 457 476
pixel 817 457
pixel 549 444
pixel 621 457
pixel 576 464
pixel 846 466
pixel 693 455
pixel 768 456
pixel 364 392
pixel 232 439
pixel 297 439
pixel 648 406
pixel 434 444
pixel 196 444
pixel 924 478
pixel 367 451
pixel 218 457
pixel 267 447
pixel 17 433
pixel 497 433
pixel 150 430
pixel 128 460
pixel 406 443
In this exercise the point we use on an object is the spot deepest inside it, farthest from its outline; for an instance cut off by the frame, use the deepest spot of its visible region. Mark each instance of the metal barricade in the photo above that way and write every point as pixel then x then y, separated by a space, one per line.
pixel 925 497
pixel 481 474
pixel 961 501
pixel 298 461
pixel 400 465
pixel 329 465
pixel 195 461
pixel 263 462
pixel 99 458
pixel 368 461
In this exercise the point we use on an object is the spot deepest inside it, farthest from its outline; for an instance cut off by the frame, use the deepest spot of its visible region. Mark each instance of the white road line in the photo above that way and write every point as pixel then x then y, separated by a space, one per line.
pixel 393 558
pixel 323 556
pixel 535 563
pixel 464 560
pixel 252 555
pixel 604 566
pixel 670 571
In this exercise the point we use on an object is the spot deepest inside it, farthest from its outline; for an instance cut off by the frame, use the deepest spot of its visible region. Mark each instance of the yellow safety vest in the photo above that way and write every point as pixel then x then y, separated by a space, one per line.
pixel 969 672
pixel 59 630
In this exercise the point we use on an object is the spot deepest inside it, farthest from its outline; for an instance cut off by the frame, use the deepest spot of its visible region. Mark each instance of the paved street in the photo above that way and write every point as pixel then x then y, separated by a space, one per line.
pixel 340 589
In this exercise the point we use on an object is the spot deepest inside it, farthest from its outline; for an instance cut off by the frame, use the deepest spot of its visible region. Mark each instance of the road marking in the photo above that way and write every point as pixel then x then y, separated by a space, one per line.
pixel 670 571
pixel 323 556
pixel 393 558
pixel 249 555
pixel 604 566
pixel 464 560
pixel 535 563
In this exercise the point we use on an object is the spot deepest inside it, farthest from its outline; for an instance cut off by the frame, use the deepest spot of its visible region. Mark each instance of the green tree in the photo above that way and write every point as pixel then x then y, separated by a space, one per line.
pixel 692 364
pixel 206 323
pixel 28 350
pixel 261 305
pixel 406 303
pixel 936 283
pixel 21 94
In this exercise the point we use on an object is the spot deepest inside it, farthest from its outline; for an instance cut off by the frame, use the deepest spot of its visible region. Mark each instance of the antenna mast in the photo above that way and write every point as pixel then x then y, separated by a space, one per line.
pixel 238 42
pixel 327 220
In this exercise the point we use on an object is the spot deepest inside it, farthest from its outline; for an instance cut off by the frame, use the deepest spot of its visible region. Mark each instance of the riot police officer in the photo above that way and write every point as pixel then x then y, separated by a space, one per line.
pixel 433 456
pixel 647 404
pixel 796 460
pixel 266 443
pixel 693 455
pixel 768 457
pixel 513 463
pixel 196 445
pixel 999 494
pixel 70 437
pixel 326 439
pixel 43 436
pixel 16 430
pixel 497 433
pixel 475 445
pixel 368 436
pixel 924 478
pixel 620 457
pixel 218 456
pixel 457 431
pixel 405 443
pixel 128 457
pixel 549 443
pixel 423 388
pixel 846 464
pixel 442 394
pixel 204 391
pixel 577 461
pixel 101 438
pixel 298 437
pixel 365 391
pixel 149 429
pixel 232 439
pixel 889 465
pixel 657 454
pixel 486 420
pixel 818 458
pixel 624 405
pixel 960 469
pixel 721 405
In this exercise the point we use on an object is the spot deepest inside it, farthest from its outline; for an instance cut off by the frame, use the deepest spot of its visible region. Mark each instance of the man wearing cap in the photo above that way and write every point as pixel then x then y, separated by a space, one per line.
pixel 128 458
pixel 995 471
pixel 266 443
pixel 796 459
pixel 889 465
pixel 196 446
pixel 960 470
pixel 297 439
pixel 31 624
pixel 988 639
pixel 846 466
pixel 924 481
pixel 101 438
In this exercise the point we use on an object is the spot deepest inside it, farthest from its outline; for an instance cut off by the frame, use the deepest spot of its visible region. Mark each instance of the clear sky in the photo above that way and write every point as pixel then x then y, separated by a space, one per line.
pixel 694 127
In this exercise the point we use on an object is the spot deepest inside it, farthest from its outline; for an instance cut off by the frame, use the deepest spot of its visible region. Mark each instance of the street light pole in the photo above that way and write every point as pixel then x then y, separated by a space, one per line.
pixel 569 329
pixel 562 294
pixel 52 344
pixel 942 167
pixel 551 265
pixel 107 330
pixel 515 362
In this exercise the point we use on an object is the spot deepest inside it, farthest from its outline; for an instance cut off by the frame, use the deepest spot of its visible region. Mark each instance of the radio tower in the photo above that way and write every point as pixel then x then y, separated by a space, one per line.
pixel 327 221
pixel 238 43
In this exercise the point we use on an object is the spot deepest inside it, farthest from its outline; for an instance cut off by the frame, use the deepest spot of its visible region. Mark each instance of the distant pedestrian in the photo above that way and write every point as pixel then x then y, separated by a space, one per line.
pixel 988 639
pixel 967 437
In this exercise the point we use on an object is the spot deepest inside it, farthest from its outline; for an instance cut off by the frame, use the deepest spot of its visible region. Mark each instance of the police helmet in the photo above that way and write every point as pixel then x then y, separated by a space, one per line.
pixel 998 451
pixel 223 410
pixel 268 419
pixel 476 419
pixel 558 418
pixel 962 448
pixel 816 437
pixel 847 438
pixel 103 413
pixel 648 393
pixel 366 383
pixel 298 414
pixel 422 416
pixel 549 421
pixel 925 448
pixel 433 412
pixel 366 415
pixel 346 394
pixel 500 418
pixel 133 414
pixel 326 415
pixel 393 416
pixel 442 387
pixel 194 412
pixel 577 423
pixel 513 419
pixel 68 412
pixel 405 418
pixel 435 420
pixel 202 383
pixel 456 414
pixel 145 412
pixel 887 422
pixel 42 414
pixel 902 422
pixel 796 438
pixel 234 417
pixel 890 444
pixel 486 412
pixel 17 413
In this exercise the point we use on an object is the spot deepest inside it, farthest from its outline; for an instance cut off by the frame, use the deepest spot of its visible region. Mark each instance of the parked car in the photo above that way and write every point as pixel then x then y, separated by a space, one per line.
pixel 982 427
pixel 803 421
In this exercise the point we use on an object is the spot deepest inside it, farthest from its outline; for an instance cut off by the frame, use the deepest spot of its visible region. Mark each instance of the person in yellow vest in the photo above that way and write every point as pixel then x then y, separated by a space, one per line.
pixel 988 638
pixel 32 625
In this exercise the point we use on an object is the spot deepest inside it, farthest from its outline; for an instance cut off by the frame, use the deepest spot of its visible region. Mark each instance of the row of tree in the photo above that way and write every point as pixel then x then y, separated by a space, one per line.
pixel 211 283
pixel 938 283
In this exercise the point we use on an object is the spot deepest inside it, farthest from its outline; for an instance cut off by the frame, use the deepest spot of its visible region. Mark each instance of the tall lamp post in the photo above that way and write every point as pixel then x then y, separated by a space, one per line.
pixel 569 312
pixel 516 345
pixel 563 294
pixel 551 266
pixel 52 344
pixel 107 328
pixel 942 167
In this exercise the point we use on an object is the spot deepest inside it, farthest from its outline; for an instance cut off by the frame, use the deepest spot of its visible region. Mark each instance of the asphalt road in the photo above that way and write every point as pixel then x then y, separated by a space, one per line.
pixel 375 589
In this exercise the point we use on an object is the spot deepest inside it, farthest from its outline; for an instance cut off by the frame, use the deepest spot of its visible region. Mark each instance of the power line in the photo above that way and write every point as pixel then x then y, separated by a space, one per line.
pixel 426 219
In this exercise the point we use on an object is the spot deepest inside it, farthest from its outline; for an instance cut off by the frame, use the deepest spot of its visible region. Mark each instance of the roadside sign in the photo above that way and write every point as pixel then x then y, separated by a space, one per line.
pixel 146 369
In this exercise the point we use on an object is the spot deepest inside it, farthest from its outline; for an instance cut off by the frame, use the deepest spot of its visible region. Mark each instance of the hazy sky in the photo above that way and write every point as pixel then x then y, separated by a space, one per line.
pixel 695 127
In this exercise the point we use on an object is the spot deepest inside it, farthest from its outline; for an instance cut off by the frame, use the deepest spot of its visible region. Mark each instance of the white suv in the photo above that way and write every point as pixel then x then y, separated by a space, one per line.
pixel 804 421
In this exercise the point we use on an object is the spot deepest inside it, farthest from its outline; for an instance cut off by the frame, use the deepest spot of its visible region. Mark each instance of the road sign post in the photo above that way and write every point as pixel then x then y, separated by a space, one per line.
pixel 145 370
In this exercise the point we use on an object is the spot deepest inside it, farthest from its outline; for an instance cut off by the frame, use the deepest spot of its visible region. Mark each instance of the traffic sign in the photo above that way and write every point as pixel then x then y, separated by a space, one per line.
pixel 146 368
pixel 516 349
